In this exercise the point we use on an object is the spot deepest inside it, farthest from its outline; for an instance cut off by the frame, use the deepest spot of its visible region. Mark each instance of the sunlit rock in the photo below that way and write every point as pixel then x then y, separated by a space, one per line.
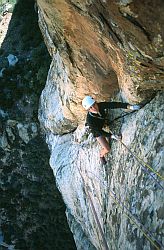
pixel 102 48
pixel 12 60
pixel 123 185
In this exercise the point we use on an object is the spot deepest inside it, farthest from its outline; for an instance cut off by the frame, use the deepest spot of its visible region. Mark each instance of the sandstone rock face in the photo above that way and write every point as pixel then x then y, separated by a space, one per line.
pixel 103 48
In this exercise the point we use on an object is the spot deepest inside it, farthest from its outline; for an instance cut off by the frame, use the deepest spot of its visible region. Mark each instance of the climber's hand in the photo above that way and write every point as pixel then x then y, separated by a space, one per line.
pixel 134 107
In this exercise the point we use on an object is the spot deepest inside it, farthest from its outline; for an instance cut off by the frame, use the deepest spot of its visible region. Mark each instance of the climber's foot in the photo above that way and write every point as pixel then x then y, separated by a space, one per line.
pixel 117 137
pixel 103 160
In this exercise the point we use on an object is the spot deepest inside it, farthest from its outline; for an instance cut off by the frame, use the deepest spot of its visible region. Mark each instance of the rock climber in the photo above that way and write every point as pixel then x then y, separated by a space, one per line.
pixel 96 118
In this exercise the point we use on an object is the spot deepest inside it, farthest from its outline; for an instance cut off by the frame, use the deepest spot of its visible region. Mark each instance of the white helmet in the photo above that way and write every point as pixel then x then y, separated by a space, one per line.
pixel 87 102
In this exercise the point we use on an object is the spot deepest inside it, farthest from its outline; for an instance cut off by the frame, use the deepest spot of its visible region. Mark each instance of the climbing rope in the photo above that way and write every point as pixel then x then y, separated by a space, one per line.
pixel 95 214
pixel 147 234
pixel 120 204
pixel 139 159
pixel 141 104
pixel 143 164
pixel 119 117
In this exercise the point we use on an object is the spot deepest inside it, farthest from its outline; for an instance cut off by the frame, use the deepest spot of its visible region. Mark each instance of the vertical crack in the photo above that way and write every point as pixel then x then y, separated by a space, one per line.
pixel 137 24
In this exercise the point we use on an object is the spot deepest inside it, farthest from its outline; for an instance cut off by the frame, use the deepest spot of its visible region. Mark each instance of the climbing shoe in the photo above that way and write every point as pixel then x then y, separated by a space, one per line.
pixel 117 137
pixel 134 107
pixel 103 160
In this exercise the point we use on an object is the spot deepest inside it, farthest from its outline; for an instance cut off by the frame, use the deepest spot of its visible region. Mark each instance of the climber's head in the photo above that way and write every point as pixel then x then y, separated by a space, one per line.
pixel 90 104
pixel 87 102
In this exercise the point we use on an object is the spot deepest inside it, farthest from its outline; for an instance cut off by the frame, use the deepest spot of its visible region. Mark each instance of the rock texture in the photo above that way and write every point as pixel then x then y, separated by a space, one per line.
pixel 75 162
pixel 101 48
pixel 105 46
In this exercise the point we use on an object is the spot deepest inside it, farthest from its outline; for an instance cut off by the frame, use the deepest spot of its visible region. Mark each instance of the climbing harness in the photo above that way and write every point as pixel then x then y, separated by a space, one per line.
pixel 143 164
pixel 99 117
pixel 131 217
pixel 95 214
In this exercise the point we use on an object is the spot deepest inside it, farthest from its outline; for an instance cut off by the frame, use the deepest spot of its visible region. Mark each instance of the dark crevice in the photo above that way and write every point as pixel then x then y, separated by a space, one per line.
pixel 152 66
pixel 76 7
pixel 66 133
pixel 112 33
pixel 137 24
pixel 80 70
pixel 70 53
pixel 101 4
pixel 143 65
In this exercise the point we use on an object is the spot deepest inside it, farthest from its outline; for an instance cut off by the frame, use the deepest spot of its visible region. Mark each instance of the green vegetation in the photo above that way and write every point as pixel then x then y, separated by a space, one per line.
pixel 3 5
pixel 29 75
pixel 32 208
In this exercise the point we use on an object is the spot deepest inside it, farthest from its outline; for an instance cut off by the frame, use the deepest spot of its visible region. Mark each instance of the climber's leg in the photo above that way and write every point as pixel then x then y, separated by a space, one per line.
pixel 105 148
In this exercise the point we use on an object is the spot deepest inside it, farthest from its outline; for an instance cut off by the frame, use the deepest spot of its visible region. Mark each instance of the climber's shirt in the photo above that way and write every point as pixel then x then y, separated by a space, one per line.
pixel 97 121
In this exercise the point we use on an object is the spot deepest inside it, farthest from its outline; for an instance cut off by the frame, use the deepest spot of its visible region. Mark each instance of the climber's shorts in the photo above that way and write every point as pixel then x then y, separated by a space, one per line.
pixel 101 133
